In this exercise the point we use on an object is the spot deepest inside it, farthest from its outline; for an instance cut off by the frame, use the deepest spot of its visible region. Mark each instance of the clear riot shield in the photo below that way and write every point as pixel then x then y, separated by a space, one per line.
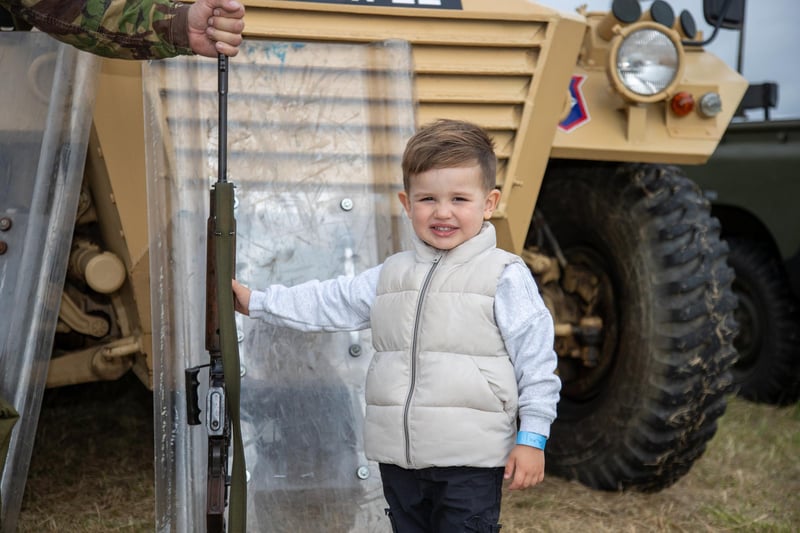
pixel 315 132
pixel 48 92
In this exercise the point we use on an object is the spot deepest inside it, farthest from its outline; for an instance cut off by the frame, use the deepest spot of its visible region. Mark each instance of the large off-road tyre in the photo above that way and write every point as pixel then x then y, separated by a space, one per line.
pixel 642 416
pixel 768 344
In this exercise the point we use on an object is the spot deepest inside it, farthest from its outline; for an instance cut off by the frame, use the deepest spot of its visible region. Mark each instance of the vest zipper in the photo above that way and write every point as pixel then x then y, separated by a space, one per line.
pixel 414 339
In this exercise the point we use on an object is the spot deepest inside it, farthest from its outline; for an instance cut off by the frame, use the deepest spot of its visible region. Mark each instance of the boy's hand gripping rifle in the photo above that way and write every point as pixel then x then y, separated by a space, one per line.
pixel 222 399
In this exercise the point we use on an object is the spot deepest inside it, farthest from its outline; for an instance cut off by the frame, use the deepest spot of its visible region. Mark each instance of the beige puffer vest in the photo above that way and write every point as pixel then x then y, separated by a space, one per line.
pixel 441 390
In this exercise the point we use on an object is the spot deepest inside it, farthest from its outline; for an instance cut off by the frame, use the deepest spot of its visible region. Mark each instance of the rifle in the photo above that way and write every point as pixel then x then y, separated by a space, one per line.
pixel 222 398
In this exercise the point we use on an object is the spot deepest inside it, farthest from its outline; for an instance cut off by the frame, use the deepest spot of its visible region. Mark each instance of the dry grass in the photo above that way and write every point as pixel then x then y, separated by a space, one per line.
pixel 92 465
pixel 92 471
pixel 748 480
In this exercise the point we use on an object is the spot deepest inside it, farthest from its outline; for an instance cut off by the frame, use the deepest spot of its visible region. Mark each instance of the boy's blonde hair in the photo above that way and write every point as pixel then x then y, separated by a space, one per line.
pixel 450 144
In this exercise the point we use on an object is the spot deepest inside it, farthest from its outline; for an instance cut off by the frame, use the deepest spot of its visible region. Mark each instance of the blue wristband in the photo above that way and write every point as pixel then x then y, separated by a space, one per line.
pixel 526 438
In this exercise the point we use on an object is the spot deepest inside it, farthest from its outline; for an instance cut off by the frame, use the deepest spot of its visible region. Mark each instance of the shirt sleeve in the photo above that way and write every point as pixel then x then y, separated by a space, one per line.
pixel 339 304
pixel 146 29
pixel 528 332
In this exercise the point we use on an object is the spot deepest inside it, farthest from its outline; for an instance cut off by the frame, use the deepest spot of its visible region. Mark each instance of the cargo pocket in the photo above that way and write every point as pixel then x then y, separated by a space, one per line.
pixel 478 524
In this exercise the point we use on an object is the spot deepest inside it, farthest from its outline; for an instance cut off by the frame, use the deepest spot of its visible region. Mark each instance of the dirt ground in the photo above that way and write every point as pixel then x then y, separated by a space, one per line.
pixel 92 471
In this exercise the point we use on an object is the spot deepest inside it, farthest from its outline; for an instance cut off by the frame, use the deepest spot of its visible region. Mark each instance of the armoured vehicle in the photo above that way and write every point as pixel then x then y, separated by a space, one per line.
pixel 761 226
pixel 590 113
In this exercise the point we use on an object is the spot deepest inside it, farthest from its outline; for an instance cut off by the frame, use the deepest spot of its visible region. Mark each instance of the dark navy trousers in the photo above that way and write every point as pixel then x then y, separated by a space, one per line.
pixel 457 499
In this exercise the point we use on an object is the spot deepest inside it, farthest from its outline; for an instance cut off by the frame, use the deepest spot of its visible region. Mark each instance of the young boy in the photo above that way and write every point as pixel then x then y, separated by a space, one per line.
pixel 463 344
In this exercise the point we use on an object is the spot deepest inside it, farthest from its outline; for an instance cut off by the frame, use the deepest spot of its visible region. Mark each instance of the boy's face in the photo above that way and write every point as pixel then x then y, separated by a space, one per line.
pixel 447 206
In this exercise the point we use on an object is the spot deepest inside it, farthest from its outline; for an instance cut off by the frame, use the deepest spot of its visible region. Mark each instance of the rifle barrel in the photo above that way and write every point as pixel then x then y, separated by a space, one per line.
pixel 222 82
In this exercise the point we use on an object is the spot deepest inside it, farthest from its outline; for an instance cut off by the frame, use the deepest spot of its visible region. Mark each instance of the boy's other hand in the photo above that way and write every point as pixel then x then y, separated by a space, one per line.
pixel 525 467
pixel 241 297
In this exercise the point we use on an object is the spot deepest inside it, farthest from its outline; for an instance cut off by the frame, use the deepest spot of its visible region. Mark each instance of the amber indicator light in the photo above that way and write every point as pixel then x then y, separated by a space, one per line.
pixel 682 103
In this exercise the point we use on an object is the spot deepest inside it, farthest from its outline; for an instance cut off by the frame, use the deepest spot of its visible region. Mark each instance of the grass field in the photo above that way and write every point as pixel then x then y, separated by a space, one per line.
pixel 92 471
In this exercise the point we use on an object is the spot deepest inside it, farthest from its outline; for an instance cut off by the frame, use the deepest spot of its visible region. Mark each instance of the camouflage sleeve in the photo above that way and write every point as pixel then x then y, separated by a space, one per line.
pixel 141 29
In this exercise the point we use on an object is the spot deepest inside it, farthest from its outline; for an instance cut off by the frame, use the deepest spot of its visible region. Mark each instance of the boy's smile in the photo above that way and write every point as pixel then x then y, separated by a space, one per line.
pixel 447 206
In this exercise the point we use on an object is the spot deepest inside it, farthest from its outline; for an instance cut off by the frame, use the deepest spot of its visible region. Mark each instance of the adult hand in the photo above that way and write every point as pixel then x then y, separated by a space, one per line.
pixel 215 27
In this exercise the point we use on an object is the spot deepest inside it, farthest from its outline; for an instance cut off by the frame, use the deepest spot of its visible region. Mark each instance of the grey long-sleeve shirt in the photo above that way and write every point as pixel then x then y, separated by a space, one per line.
pixel 344 303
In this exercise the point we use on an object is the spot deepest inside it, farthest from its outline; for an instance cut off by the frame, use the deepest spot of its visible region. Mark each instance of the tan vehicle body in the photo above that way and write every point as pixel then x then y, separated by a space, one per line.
pixel 504 69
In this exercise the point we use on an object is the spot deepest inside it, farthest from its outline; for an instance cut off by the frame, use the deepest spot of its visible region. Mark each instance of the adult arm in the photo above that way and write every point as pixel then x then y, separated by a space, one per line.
pixel 147 29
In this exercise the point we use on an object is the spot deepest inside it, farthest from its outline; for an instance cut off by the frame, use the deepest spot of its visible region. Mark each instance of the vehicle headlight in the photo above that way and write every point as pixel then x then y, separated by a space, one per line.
pixel 646 62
